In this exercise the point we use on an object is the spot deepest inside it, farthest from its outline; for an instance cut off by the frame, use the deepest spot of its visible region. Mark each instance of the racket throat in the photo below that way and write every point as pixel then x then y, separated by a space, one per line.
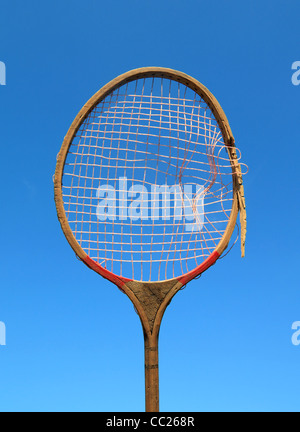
pixel 151 300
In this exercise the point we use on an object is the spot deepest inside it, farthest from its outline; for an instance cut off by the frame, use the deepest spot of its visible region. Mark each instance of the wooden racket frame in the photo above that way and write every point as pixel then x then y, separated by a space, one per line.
pixel 151 299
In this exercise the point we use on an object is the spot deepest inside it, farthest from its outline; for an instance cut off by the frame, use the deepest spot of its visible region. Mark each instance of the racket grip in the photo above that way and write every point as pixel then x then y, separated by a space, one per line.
pixel 151 373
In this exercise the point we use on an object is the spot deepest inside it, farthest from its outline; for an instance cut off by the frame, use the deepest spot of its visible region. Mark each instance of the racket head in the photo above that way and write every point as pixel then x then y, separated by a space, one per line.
pixel 101 96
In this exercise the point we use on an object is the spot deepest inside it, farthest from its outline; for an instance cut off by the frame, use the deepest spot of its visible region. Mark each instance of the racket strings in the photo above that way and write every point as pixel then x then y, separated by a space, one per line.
pixel 146 188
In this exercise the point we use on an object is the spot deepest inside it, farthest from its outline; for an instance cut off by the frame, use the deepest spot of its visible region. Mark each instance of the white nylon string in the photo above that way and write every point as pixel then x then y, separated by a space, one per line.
pixel 147 184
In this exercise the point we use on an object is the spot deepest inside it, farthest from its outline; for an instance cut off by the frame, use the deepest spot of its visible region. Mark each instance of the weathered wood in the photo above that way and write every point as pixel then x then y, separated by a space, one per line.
pixel 152 298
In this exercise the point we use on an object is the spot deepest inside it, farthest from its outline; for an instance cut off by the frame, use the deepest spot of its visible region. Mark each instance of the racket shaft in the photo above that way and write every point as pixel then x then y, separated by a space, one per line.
pixel 151 374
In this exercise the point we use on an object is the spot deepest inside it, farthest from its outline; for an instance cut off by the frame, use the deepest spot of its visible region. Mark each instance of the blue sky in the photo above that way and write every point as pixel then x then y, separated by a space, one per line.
pixel 74 342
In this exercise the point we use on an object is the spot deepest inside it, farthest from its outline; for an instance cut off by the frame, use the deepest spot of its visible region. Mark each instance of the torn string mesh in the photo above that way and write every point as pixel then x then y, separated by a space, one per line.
pixel 147 184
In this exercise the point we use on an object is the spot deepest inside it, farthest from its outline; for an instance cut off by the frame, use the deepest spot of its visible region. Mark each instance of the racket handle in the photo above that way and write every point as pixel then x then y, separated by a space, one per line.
pixel 151 373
